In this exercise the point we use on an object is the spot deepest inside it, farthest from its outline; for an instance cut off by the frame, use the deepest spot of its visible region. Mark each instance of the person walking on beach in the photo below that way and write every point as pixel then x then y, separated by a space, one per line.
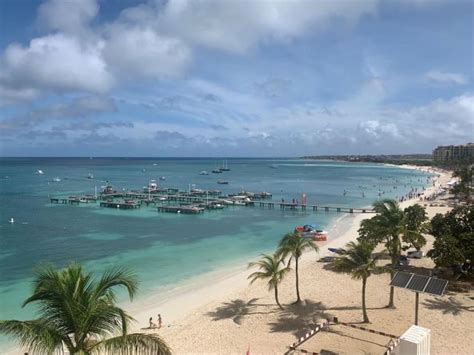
pixel 159 321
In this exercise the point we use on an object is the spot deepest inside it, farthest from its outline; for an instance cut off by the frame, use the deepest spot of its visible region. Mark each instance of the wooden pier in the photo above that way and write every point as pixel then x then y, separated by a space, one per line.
pixel 73 200
pixel 194 201
pixel 123 205
pixel 303 207
pixel 187 209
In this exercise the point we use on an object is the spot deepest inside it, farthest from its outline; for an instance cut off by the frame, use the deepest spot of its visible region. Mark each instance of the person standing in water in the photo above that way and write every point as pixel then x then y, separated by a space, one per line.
pixel 159 321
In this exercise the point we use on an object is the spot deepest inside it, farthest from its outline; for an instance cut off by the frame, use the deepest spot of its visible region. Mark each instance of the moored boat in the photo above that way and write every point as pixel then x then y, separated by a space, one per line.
pixel 224 167
pixel 311 231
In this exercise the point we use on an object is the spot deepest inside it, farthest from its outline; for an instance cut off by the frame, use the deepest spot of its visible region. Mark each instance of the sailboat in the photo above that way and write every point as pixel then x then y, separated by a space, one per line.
pixel 217 170
pixel 224 167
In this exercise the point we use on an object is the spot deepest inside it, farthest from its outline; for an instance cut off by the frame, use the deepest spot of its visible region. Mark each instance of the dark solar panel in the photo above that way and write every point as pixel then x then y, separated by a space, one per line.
pixel 436 286
pixel 401 279
pixel 418 283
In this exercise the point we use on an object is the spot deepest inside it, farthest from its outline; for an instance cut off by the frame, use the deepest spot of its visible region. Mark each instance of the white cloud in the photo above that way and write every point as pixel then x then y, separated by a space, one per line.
pixel 238 26
pixel 55 63
pixel 446 77
pixel 141 52
pixel 70 16
pixel 151 42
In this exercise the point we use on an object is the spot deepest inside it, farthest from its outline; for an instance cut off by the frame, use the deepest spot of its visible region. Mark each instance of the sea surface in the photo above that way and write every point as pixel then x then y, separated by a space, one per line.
pixel 165 249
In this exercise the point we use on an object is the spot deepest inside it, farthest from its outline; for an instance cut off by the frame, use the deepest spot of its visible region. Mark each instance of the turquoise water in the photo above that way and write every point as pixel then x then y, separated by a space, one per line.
pixel 165 248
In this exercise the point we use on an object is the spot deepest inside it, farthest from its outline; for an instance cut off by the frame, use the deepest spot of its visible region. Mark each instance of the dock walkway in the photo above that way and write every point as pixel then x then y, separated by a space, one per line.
pixel 305 207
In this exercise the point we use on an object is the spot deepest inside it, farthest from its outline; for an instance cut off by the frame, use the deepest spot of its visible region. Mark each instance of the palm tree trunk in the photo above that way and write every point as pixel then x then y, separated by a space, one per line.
pixel 364 307
pixel 298 298
pixel 391 302
pixel 276 298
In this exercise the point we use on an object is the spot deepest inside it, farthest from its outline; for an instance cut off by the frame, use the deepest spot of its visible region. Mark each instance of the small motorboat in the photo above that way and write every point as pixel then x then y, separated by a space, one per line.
pixel 162 178
pixel 221 182
pixel 90 176
pixel 56 179
pixel 11 220
pixel 204 172
pixel 39 172
pixel 217 171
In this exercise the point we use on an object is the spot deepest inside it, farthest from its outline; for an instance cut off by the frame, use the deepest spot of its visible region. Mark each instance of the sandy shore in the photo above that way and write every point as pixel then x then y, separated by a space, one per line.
pixel 222 313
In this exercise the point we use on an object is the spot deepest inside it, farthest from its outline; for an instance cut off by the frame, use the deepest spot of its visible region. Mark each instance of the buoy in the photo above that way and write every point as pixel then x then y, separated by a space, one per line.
pixel 12 220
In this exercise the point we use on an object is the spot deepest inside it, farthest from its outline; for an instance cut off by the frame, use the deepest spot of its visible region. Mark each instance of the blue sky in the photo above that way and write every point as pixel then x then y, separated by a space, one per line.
pixel 234 78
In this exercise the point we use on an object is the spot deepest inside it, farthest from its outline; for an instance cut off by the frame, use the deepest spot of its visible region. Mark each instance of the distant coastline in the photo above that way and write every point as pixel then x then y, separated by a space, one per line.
pixel 394 159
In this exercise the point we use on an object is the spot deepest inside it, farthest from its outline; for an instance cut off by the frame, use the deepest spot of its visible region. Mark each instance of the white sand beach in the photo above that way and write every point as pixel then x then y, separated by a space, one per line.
pixel 222 313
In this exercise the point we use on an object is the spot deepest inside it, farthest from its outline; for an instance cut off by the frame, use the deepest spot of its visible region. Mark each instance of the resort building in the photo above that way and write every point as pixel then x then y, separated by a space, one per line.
pixel 454 153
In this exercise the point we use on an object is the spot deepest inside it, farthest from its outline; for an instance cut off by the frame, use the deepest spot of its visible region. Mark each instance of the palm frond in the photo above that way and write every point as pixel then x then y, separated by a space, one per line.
pixel 117 276
pixel 269 268
pixel 131 344
pixel 293 245
pixel 356 260
pixel 34 335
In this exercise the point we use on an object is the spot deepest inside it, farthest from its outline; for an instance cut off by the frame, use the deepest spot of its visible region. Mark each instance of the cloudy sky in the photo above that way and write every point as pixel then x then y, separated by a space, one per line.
pixel 234 77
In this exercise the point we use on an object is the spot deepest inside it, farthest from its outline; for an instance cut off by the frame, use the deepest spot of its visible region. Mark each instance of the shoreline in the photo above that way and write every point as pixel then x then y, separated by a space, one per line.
pixel 184 298
pixel 214 306
pixel 178 300
pixel 187 299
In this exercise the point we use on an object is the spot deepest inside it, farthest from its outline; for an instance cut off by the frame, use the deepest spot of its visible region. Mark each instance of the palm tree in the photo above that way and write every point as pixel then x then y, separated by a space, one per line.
pixel 79 312
pixel 269 266
pixel 415 223
pixel 357 260
pixel 293 245
pixel 386 227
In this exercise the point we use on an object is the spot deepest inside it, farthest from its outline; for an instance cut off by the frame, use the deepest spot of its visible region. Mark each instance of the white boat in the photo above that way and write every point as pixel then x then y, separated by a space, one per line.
pixel 11 220
pixel 204 172
pixel 90 176
pixel 162 178
pixel 227 202
pixel 39 172
pixel 152 186
pixel 56 179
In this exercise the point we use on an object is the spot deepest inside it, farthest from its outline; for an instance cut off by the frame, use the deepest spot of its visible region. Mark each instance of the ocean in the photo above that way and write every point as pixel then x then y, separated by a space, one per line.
pixel 165 249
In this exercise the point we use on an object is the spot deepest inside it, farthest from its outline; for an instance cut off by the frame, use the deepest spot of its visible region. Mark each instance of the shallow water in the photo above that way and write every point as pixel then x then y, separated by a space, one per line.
pixel 164 249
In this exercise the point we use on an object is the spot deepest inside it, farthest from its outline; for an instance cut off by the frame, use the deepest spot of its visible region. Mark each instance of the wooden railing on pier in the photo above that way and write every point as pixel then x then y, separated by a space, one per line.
pixel 305 207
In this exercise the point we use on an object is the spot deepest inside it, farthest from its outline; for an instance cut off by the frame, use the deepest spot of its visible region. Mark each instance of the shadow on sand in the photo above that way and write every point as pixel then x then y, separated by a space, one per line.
pixel 448 306
pixel 298 317
pixel 238 309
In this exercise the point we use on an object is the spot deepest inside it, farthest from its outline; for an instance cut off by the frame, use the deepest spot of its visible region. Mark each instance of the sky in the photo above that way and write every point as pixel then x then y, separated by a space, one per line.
pixel 234 78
